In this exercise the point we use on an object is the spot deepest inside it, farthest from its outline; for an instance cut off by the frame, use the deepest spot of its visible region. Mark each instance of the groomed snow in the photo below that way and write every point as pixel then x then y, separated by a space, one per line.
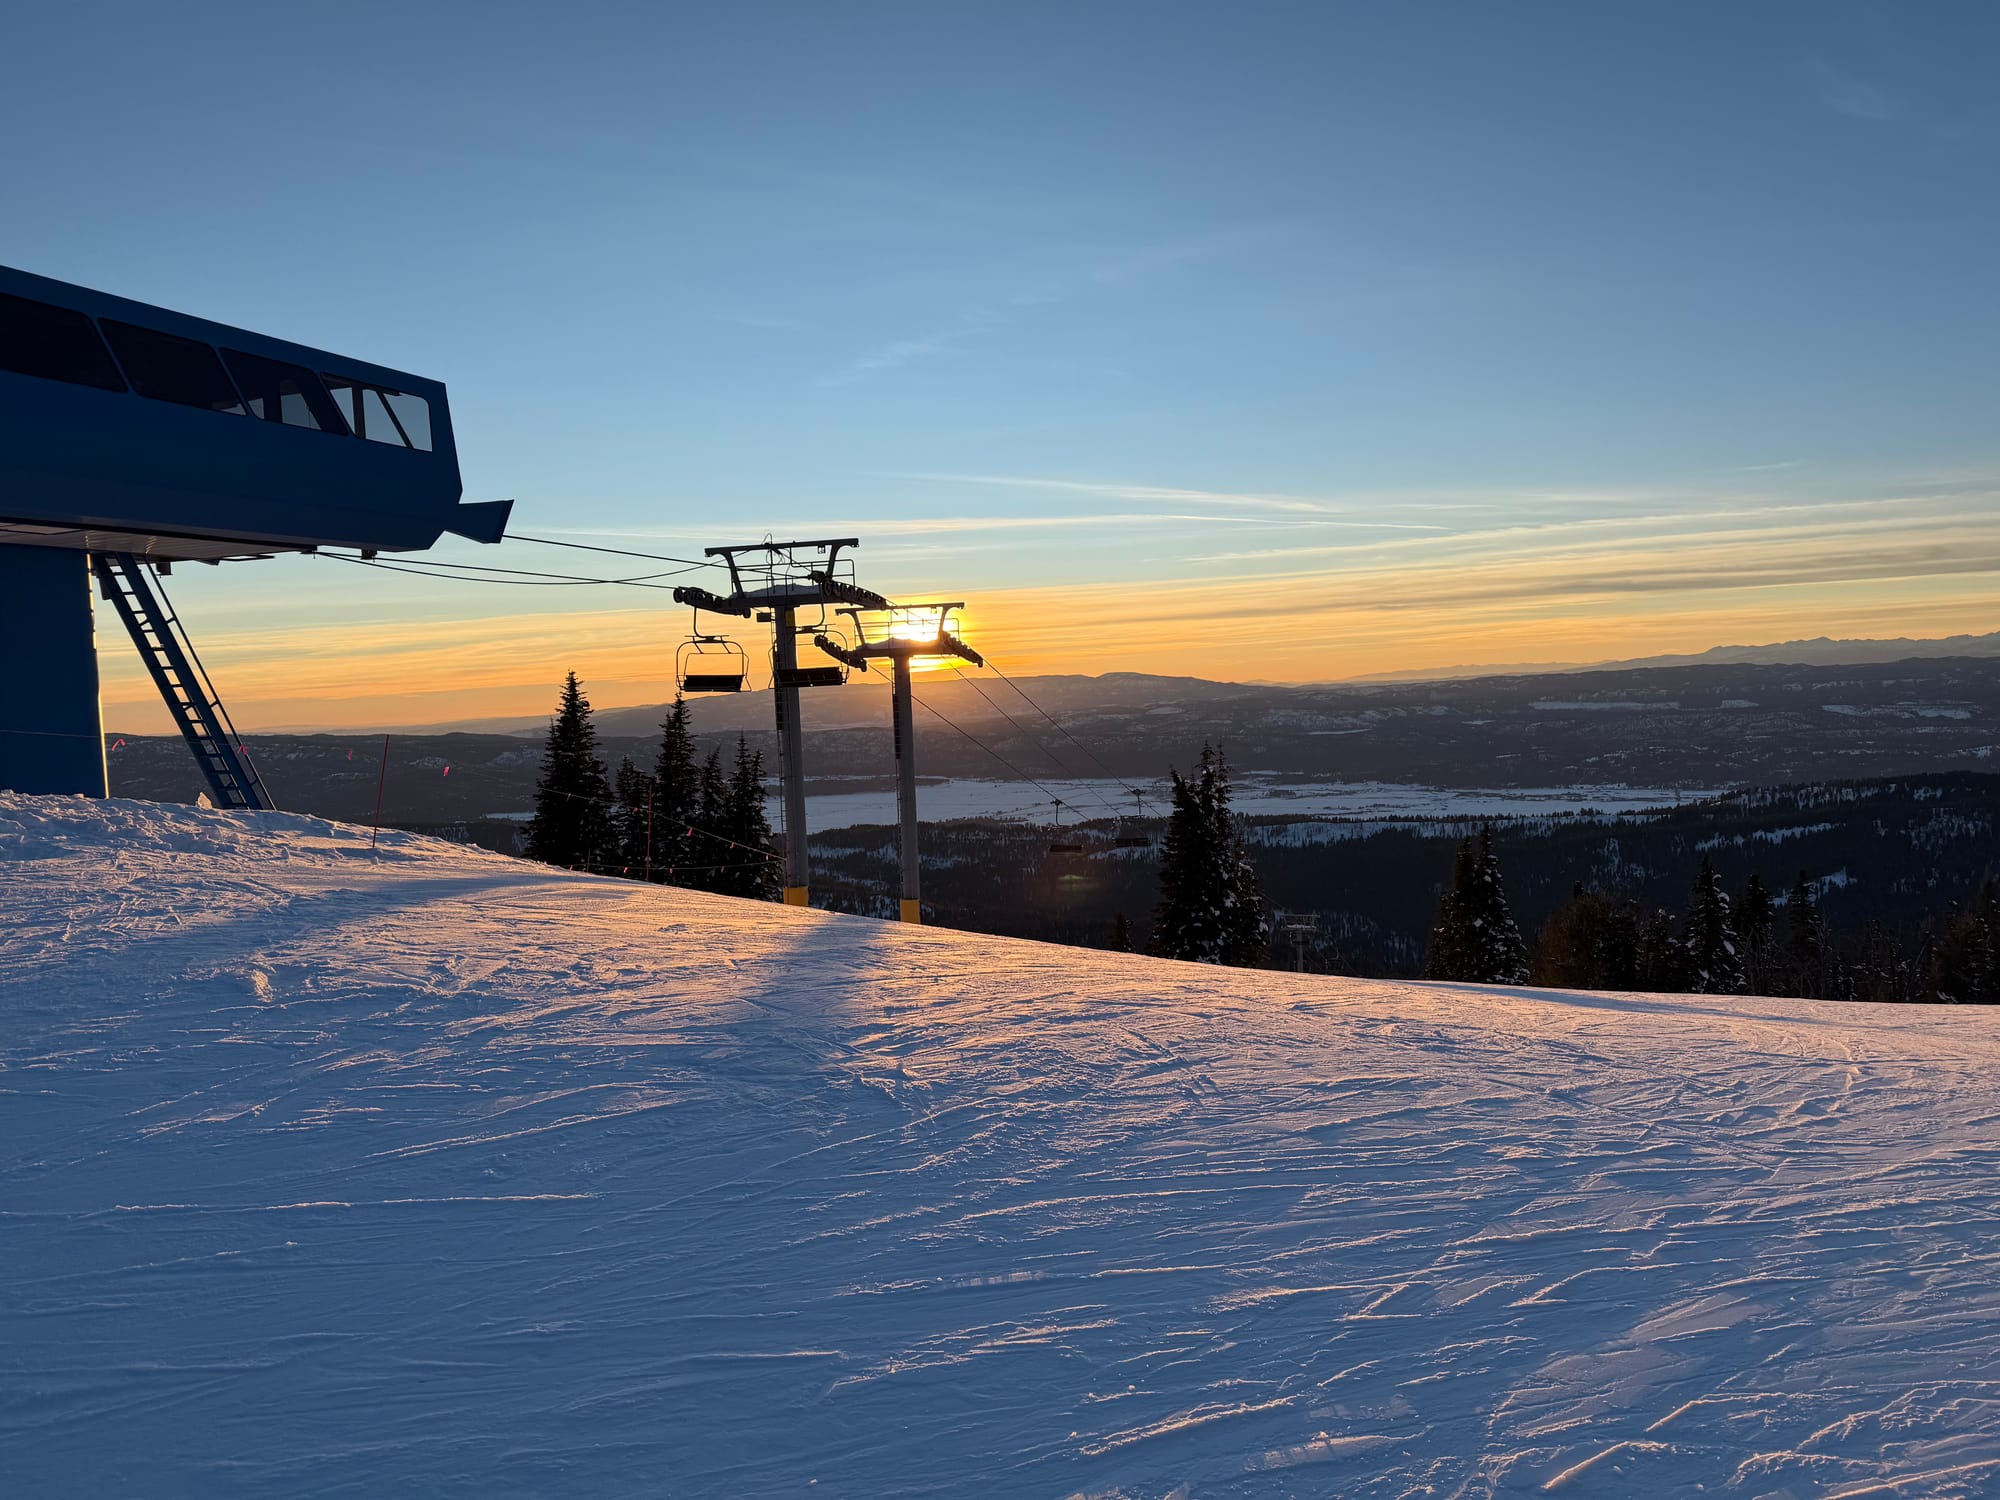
pixel 325 1173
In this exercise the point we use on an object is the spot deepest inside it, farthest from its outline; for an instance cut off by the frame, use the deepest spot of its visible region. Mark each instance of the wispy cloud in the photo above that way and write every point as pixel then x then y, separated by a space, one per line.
pixel 1157 494
pixel 903 351
pixel 1102 268
pixel 1847 93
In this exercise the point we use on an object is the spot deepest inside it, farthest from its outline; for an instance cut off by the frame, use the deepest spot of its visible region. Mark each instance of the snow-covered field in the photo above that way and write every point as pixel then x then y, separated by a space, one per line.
pixel 1256 794
pixel 427 1172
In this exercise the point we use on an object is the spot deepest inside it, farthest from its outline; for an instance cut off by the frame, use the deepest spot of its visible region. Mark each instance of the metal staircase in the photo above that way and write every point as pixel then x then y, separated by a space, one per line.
pixel 177 672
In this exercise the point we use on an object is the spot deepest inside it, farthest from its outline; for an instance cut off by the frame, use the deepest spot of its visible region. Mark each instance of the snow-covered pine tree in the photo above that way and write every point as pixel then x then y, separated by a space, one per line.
pixel 1498 953
pixel 572 825
pixel 1755 917
pixel 753 877
pixel 1475 938
pixel 1590 942
pixel 1965 963
pixel 1714 959
pixel 1805 943
pixel 676 799
pixel 711 816
pixel 632 787
pixel 1211 909
pixel 1447 956
pixel 1247 928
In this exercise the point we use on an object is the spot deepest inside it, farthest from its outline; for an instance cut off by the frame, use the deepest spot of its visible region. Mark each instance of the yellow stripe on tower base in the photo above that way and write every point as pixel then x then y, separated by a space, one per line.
pixel 913 911
pixel 795 895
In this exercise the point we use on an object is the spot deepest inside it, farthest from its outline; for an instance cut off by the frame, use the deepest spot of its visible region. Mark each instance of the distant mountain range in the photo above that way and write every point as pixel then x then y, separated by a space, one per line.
pixel 1708 725
pixel 984 696
pixel 1820 651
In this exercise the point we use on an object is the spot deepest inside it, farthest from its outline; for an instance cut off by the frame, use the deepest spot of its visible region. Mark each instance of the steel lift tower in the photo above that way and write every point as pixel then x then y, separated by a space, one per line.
pixel 773 581
pixel 901 634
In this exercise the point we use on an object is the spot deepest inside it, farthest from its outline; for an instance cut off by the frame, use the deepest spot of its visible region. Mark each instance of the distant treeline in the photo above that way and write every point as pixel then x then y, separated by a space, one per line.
pixel 1879 890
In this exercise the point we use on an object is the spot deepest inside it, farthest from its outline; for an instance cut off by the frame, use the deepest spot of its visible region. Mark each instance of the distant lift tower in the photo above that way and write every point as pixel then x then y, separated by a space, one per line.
pixel 132 438
pixel 773 581
pixel 902 633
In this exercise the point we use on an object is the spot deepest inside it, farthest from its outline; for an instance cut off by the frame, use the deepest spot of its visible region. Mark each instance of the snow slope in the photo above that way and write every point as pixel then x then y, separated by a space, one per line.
pixel 429 1172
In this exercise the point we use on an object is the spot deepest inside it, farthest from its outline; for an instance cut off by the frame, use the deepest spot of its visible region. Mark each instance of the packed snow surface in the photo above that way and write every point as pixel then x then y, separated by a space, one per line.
pixel 423 1171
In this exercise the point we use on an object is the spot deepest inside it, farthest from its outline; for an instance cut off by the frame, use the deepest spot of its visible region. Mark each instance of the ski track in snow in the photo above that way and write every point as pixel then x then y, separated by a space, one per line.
pixel 325 1173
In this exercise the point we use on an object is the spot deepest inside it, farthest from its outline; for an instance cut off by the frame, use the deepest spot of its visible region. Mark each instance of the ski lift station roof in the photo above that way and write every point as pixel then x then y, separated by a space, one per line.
pixel 130 428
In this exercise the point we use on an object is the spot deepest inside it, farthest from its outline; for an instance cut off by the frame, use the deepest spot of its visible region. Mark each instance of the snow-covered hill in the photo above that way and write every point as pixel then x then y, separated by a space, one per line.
pixel 325 1172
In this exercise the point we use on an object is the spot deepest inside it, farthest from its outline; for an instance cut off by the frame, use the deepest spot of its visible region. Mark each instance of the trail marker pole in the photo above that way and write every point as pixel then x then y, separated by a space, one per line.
pixel 381 781
pixel 649 832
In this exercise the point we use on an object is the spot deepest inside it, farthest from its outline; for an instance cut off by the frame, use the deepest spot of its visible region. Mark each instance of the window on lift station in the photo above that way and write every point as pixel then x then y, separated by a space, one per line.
pixel 279 392
pixel 167 367
pixel 55 343
pixel 382 415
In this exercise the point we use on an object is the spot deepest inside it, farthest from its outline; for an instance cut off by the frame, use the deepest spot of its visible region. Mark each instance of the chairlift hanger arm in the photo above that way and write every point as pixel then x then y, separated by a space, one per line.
pixel 858 659
pixel 700 598
pixel 835 591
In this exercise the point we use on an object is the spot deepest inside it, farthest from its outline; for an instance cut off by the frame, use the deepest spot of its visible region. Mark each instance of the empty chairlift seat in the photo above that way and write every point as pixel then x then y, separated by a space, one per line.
pixel 710 664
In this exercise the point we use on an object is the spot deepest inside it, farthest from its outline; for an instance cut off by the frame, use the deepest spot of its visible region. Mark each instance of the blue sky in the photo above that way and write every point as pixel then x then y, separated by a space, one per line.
pixel 1317 302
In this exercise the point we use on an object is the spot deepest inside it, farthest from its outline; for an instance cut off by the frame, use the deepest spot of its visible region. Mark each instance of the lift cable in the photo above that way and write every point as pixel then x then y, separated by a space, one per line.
pixel 425 570
pixel 549 541
pixel 1076 782
pixel 458 567
pixel 951 723
pixel 1130 790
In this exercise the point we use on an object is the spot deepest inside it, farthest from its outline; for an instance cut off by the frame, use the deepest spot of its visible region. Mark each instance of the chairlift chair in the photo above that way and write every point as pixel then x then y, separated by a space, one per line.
pixel 711 664
pixel 1125 840
pixel 818 675
pixel 1057 843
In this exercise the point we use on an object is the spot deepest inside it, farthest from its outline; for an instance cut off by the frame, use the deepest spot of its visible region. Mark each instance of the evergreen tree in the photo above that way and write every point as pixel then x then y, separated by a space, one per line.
pixel 1805 944
pixel 634 818
pixel 711 815
pixel 676 799
pixel 1882 970
pixel 1590 942
pixel 1965 960
pixel 1121 934
pixel 1662 959
pixel 1755 917
pixel 1714 960
pixel 1476 939
pixel 755 872
pixel 1499 955
pixel 1448 956
pixel 1211 910
pixel 572 825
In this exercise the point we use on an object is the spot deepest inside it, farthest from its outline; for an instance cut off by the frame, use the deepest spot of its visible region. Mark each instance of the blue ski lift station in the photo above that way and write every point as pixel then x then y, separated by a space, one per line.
pixel 132 438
